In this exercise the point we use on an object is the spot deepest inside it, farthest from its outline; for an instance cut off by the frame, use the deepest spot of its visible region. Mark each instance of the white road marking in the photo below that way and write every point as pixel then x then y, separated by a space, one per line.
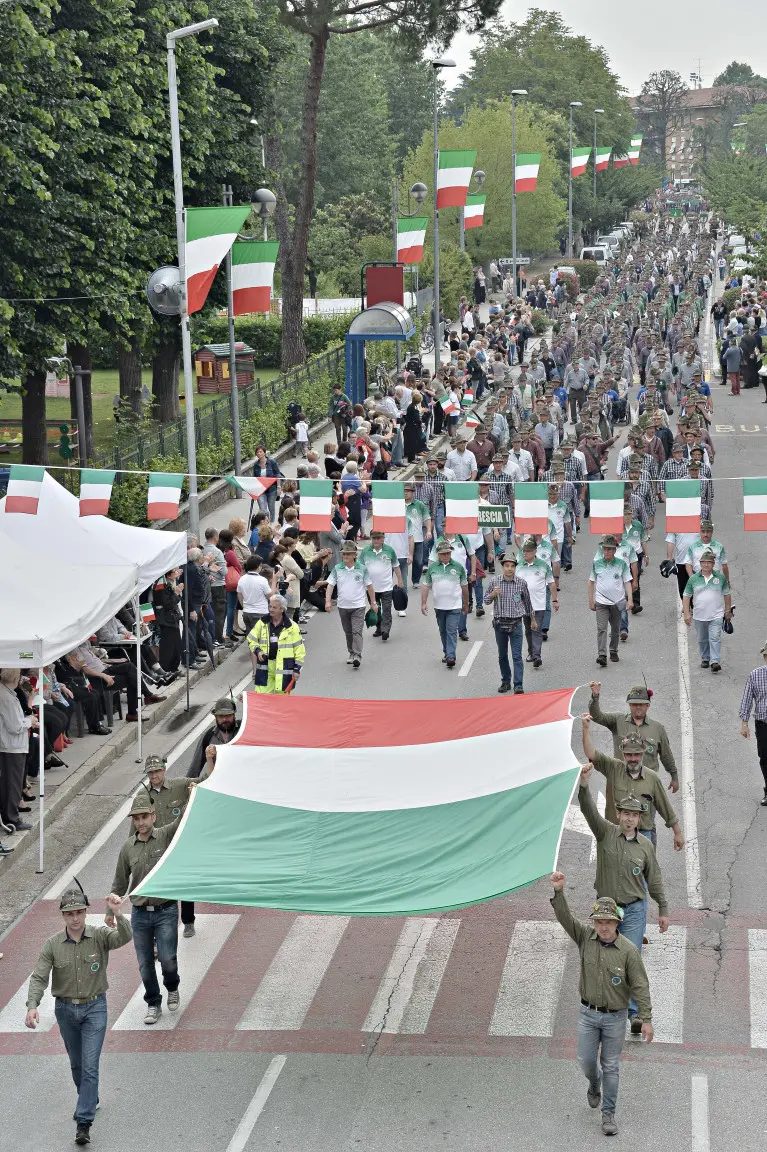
pixel 465 668
pixel 195 958
pixel 111 826
pixel 528 994
pixel 406 995
pixel 12 1015
pixel 701 1141
pixel 664 961
pixel 687 780
pixel 290 983
pixel 757 975
pixel 256 1106
pixel 575 821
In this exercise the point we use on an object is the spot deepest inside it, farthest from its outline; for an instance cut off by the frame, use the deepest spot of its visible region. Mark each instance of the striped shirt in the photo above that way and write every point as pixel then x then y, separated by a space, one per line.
pixel 673 470
pixel 513 600
pixel 501 487
pixel 755 695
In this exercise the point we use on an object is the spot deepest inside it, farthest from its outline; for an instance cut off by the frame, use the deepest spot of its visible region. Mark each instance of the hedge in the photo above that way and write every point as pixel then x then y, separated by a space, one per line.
pixel 265 335
pixel 588 273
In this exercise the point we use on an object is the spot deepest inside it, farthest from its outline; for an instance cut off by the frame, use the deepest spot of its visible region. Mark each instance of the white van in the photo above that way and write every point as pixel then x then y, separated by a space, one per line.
pixel 609 241
pixel 599 254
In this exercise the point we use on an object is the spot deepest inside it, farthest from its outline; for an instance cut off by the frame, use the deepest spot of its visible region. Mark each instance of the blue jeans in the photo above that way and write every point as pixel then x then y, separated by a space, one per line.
pixel 547 613
pixel 567 553
pixel 82 1028
pixel 503 640
pixel 439 521
pixel 709 638
pixel 607 1029
pixel 447 622
pixel 231 611
pixel 160 926
pixel 268 501
pixel 625 619
pixel 398 449
pixel 632 926
pixel 418 561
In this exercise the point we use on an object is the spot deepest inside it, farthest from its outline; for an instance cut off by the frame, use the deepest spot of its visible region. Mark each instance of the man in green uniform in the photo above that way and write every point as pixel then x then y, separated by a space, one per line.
pixel 78 958
pixel 629 777
pixel 627 868
pixel 611 973
pixel 657 747
pixel 170 799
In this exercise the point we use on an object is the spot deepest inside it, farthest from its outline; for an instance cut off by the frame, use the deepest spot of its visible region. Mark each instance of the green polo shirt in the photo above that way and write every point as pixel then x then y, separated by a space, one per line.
pixel 622 865
pixel 447 582
pixel 79 967
pixel 647 787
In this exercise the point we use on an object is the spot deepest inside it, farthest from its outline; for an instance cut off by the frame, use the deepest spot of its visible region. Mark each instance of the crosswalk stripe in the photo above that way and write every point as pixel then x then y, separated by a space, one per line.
pixel 290 983
pixel 195 957
pixel 664 961
pixel 757 974
pixel 12 1015
pixel 407 992
pixel 532 977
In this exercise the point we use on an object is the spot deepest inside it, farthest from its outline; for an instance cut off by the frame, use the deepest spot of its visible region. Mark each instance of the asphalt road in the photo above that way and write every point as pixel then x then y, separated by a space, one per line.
pixel 306 1034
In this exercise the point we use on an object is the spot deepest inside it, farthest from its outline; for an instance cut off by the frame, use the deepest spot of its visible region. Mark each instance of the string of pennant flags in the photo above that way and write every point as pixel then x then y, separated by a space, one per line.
pixel 462 508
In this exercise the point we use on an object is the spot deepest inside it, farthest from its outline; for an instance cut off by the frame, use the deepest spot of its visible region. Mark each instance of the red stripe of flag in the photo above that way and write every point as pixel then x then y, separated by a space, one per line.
pixel 94 507
pixel 452 197
pixel 313 522
pixel 683 523
pixel 251 300
pixel 472 222
pixel 457 524
pixel 386 523
pixel 26 504
pixel 755 522
pixel 412 255
pixel 197 288
pixel 158 510
pixel 602 524
pixel 527 185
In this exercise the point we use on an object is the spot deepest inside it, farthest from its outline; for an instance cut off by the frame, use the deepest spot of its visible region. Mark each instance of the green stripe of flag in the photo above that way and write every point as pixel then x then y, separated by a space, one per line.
pixel 607 489
pixel 414 224
pixel 579 153
pixel 532 490
pixel 476 198
pixel 202 222
pixel 255 251
pixel 457 159
pixel 462 490
pixel 682 489
pixel 166 480
pixel 29 472
pixel 528 158
pixel 319 488
pixel 755 486
pixel 388 490
pixel 97 476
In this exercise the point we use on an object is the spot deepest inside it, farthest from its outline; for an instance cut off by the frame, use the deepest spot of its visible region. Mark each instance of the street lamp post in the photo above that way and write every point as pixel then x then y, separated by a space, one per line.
pixel 573 104
pixel 419 192
pixel 442 62
pixel 514 93
pixel 597 112
pixel 263 165
pixel 178 194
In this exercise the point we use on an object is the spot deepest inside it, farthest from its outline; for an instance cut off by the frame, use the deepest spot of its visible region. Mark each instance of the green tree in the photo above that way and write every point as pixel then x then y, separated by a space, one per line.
pixel 659 104
pixel 737 73
pixel 343 236
pixel 736 187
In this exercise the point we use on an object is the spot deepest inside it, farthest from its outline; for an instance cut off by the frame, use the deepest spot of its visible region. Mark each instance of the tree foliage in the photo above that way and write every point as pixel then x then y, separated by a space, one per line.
pixel 737 73
pixel 736 187
pixel 660 102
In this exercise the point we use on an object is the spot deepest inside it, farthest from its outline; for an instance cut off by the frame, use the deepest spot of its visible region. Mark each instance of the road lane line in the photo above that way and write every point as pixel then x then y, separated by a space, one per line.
pixel 194 961
pixel 256 1106
pixel 290 983
pixel 664 960
pixel 407 992
pixel 757 978
pixel 575 821
pixel 528 994
pixel 701 1141
pixel 465 668
pixel 687 782
pixel 111 826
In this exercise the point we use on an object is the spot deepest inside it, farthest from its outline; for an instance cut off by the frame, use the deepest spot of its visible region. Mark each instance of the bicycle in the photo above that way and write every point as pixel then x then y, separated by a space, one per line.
pixel 382 376
pixel 427 340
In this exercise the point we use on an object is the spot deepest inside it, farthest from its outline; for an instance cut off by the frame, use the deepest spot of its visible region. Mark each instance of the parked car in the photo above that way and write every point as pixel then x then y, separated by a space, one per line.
pixel 599 254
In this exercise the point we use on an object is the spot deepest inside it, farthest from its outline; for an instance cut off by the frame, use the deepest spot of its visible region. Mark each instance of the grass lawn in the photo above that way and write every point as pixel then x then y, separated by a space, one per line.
pixel 105 387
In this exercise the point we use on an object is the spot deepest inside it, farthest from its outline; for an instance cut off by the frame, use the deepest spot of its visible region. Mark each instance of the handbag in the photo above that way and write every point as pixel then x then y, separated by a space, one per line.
pixel 399 599
pixel 232 579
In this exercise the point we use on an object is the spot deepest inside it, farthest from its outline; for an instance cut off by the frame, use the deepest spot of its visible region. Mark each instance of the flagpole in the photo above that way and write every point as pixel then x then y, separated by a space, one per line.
pixel 186 628
pixel 41 767
pixel 139 685
pixel 228 201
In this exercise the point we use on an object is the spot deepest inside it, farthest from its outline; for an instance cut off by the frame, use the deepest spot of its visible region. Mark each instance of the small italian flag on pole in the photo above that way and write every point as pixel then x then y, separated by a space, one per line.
pixel 634 150
pixel 164 495
pixel 447 405
pixel 468 398
pixel 461 506
pixel 253 275
pixel 474 212
pixel 603 159
pixel 531 505
pixel 95 491
pixel 526 165
pixel 683 505
pixel 210 233
pixel 606 506
pixel 472 420
pixel 25 483
pixel 146 613
pixel 455 169
pixel 578 161
pixel 410 239
pixel 315 506
pixel 253 486
pixel 755 505
pixel 388 506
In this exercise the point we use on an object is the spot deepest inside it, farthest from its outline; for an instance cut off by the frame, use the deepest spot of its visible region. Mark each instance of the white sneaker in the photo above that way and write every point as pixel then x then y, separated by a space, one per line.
pixel 402 613
pixel 153 1013
pixel 173 1001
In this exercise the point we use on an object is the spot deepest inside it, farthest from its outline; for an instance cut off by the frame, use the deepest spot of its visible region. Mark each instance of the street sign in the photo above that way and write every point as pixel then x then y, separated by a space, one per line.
pixel 507 262
pixel 494 516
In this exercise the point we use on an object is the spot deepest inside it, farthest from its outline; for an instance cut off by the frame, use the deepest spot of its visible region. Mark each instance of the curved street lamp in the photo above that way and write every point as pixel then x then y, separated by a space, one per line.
pixel 573 104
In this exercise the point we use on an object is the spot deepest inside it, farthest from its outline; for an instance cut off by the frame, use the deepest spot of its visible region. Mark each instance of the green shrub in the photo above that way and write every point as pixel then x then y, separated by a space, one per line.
pixel 588 273
pixel 730 298
pixel 264 335
pixel 540 322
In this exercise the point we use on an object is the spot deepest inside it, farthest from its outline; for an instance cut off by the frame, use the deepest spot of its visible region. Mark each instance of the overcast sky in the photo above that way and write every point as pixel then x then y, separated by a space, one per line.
pixel 648 35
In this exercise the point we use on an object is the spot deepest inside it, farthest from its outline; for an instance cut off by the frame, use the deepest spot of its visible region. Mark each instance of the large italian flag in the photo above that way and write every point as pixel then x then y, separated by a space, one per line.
pixel 634 150
pixel 253 264
pixel 474 212
pixel 683 505
pixel 526 165
pixel 755 505
pixel 389 506
pixel 455 169
pixel 606 506
pixel 384 808
pixel 603 159
pixel 253 486
pixel 210 233
pixel 316 506
pixel 410 238
pixel 578 160
pixel 531 508
pixel 461 506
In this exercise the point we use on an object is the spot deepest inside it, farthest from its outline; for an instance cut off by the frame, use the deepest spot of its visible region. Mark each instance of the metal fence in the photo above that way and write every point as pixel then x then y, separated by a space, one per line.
pixel 423 300
pixel 215 417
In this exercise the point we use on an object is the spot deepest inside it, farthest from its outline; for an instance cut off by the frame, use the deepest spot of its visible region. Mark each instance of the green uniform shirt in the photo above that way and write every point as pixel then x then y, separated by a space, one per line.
pixel 381 564
pixel 635 535
pixel 648 788
pixel 610 973
pixel 416 514
pixel 171 799
pixel 653 733
pixel 79 966
pixel 693 554
pixel 137 859
pixel 622 865
pixel 447 582
pixel 707 595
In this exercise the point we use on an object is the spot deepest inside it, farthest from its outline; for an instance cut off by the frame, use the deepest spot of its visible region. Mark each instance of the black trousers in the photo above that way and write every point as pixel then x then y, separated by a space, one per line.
pixel 187 912
pixel 760 728
pixel 91 704
pixel 218 598
pixel 170 648
pixel 681 579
